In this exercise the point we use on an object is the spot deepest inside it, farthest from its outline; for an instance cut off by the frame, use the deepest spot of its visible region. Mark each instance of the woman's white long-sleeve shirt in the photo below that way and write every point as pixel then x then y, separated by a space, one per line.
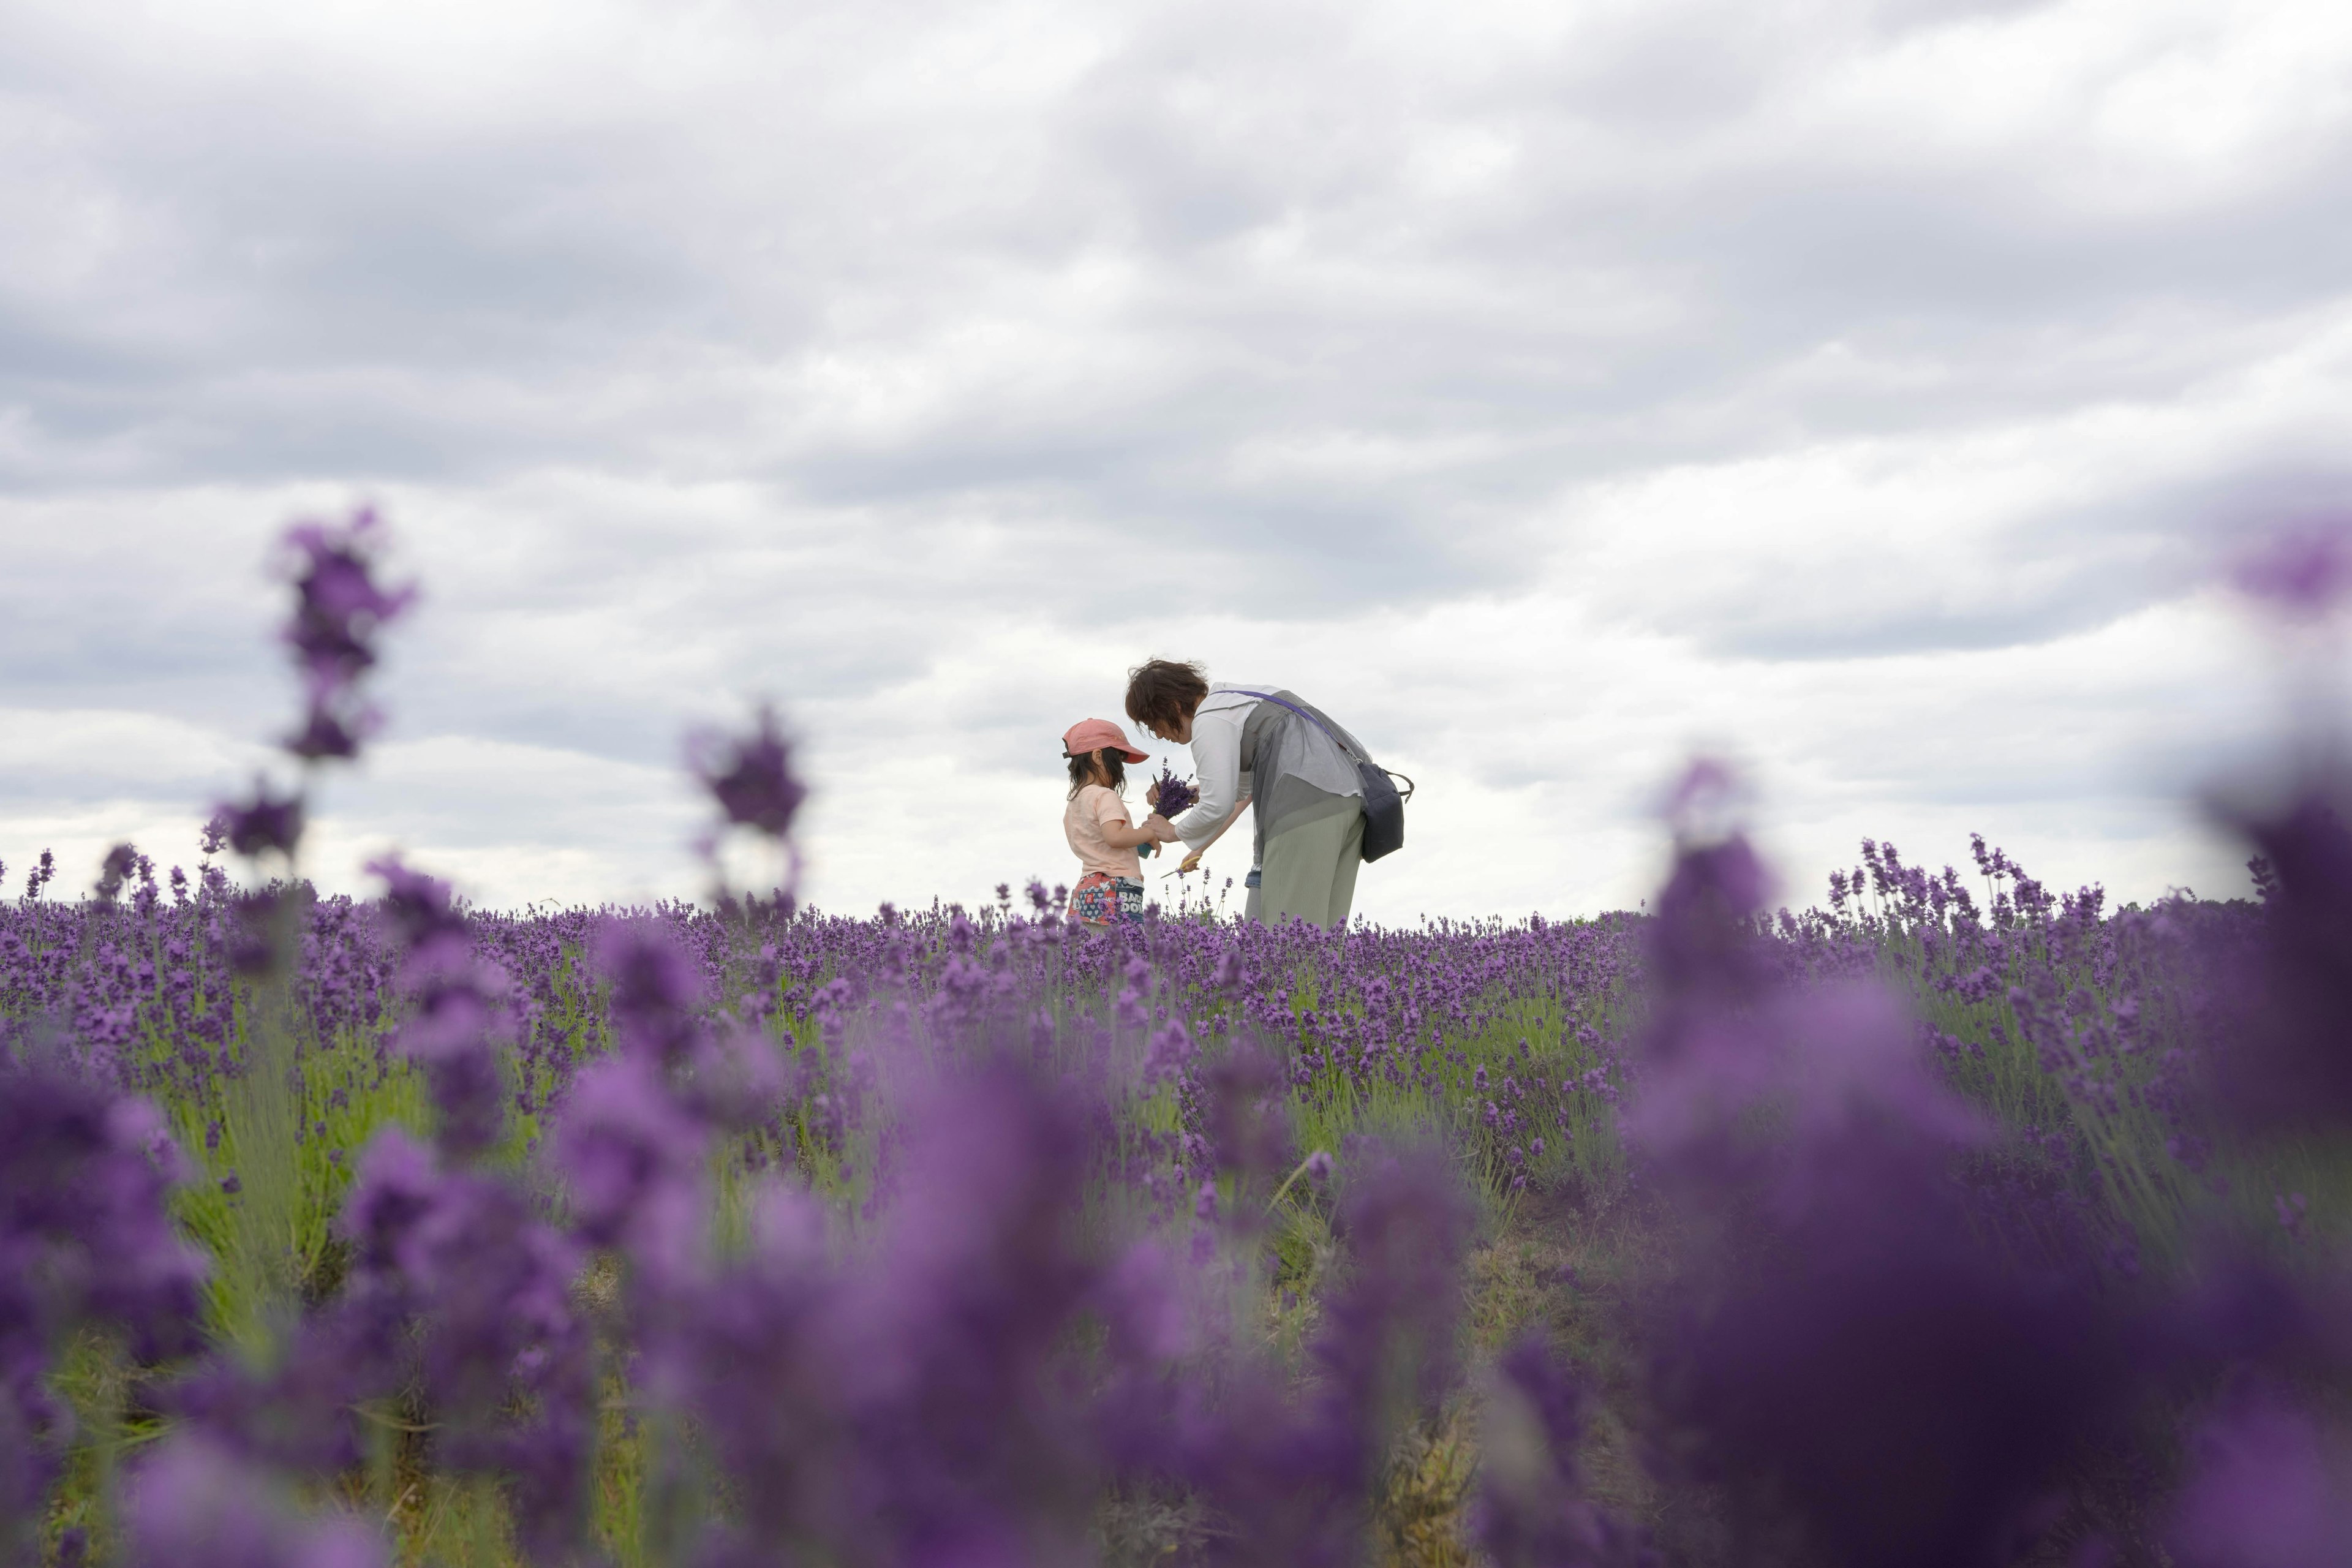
pixel 1217 760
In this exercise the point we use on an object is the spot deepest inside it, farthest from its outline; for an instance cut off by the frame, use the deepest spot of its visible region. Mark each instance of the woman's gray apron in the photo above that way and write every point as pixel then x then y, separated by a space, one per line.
pixel 1307 767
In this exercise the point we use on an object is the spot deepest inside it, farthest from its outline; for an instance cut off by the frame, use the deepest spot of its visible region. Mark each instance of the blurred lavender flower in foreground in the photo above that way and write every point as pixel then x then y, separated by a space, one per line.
pixel 1850 1358
pixel 1287 1471
pixel 656 991
pixel 339 609
pixel 1531 1510
pixel 2282 1062
pixel 2304 571
pixel 456 1002
pixel 264 823
pixel 750 776
pixel 504 1357
pixel 85 1238
pixel 634 1159
pixel 119 862
pixel 2270 1489
pixel 195 1505
pixel 751 779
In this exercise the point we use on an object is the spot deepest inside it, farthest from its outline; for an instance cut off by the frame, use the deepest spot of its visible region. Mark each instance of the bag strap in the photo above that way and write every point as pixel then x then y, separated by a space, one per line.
pixel 1345 750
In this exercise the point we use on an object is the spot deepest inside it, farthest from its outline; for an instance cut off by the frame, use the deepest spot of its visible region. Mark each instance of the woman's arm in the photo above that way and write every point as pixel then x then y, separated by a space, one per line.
pixel 1217 763
pixel 1193 861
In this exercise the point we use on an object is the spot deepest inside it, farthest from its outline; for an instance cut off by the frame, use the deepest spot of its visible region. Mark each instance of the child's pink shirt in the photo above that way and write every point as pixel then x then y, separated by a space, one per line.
pixel 1081 825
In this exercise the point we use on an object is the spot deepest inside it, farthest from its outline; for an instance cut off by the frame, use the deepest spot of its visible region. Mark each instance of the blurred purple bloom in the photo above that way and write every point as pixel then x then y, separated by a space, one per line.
pixel 1291 1476
pixel 2270 1489
pixel 85 1238
pixel 119 862
pixel 490 1286
pixel 2303 571
pixel 397 1186
pixel 1143 1303
pixel 655 991
pixel 458 1001
pixel 912 1407
pixel 750 776
pixel 194 1505
pixel 1247 1125
pixel 264 823
pixel 1531 1510
pixel 1703 950
pixel 632 1161
pixel 2285 1060
pixel 423 913
pixel 1703 806
pixel 1878 1377
pixel 338 611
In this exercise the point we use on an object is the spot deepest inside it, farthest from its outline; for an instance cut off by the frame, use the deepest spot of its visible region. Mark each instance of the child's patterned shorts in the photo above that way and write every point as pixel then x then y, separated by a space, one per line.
pixel 1100 898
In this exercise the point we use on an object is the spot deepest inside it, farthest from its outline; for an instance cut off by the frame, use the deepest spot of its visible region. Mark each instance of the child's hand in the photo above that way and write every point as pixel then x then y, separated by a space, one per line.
pixel 1151 795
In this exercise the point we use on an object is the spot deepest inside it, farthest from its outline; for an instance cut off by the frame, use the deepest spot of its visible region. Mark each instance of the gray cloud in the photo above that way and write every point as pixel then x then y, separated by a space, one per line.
pixel 827 355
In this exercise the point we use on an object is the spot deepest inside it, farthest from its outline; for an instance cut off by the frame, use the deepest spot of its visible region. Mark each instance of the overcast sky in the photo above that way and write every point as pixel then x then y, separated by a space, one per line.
pixel 1862 393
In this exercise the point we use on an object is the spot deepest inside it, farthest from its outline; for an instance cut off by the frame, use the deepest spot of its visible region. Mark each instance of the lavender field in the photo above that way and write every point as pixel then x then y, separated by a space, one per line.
pixel 1956 1221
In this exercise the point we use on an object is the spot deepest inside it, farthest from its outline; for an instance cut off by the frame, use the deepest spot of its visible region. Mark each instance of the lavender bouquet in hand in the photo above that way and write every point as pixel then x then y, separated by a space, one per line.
pixel 1171 794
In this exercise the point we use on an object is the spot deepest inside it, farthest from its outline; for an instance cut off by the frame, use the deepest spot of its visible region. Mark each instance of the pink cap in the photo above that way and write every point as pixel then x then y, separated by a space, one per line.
pixel 1090 735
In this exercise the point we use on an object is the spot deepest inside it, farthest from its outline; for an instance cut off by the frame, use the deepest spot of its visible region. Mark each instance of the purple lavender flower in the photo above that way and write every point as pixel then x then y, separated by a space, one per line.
pixel 751 776
pixel 2280 1062
pixel 654 990
pixel 120 862
pixel 2303 571
pixel 1290 1478
pixel 2271 1489
pixel 490 1286
pixel 84 1239
pixel 264 823
pixel 911 1407
pixel 634 1162
pixel 1531 1510
pixel 195 1505
pixel 1245 1121
pixel 338 611
pixel 458 1001
pixel 1175 794
pixel 1881 1382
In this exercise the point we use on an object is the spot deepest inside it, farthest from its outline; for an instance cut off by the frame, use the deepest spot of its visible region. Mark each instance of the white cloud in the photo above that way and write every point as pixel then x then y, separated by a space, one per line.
pixel 1862 389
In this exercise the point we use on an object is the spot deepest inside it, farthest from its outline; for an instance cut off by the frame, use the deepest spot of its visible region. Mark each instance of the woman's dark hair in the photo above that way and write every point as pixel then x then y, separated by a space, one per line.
pixel 1082 770
pixel 1163 693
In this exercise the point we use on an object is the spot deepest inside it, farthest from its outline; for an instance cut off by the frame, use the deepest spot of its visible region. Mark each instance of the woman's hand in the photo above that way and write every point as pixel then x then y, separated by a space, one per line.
pixel 1160 828
pixel 1191 863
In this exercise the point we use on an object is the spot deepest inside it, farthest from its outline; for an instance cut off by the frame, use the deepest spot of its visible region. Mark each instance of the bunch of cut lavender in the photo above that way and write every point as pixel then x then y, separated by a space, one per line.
pixel 1175 794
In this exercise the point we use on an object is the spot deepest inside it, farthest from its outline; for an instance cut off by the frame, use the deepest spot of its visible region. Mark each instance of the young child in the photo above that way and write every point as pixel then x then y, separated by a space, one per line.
pixel 1110 886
